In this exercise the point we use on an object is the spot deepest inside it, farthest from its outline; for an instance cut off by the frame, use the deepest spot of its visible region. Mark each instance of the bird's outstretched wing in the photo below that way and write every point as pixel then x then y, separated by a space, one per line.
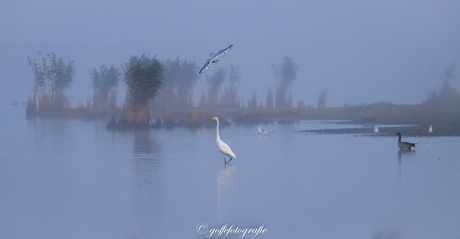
pixel 223 51
pixel 206 65
pixel 213 58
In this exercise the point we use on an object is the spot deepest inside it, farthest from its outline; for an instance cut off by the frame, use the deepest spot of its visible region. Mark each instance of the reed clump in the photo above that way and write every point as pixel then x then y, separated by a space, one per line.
pixel 129 118
pixel 169 119
pixel 194 119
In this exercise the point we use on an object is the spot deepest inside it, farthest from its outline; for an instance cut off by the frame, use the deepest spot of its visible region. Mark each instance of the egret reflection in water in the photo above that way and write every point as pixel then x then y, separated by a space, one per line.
pixel 225 189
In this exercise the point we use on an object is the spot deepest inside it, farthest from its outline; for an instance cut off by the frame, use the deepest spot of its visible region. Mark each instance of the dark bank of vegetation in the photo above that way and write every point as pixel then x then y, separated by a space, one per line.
pixel 441 109
pixel 160 94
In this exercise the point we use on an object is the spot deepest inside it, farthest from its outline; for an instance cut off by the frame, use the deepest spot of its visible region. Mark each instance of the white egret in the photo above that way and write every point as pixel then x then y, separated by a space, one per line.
pixel 260 130
pixel 405 145
pixel 430 130
pixel 376 129
pixel 223 147
pixel 214 58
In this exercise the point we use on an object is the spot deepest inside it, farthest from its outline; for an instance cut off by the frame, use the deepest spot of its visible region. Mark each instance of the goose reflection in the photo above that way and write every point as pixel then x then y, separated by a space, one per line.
pixel 225 188
pixel 404 152
pixel 407 155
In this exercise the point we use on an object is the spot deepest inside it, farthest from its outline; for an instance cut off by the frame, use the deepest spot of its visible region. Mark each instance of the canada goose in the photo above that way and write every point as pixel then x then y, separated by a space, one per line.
pixel 213 58
pixel 405 145
pixel 223 147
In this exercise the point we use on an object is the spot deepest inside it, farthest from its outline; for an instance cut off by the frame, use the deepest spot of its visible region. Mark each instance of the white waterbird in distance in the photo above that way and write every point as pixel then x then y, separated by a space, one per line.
pixel 214 58
pixel 376 129
pixel 264 132
pixel 223 147
pixel 260 130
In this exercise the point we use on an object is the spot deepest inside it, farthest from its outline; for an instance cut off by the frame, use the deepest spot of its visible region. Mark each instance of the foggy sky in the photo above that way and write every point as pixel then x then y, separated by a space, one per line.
pixel 364 51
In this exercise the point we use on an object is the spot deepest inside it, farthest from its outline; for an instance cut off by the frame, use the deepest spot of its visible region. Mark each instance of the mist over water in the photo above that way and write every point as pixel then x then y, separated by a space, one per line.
pixel 62 178
pixel 364 52
pixel 71 178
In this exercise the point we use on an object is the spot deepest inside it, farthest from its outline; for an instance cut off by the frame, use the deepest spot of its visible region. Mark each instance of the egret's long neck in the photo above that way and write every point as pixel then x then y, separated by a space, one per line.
pixel 217 131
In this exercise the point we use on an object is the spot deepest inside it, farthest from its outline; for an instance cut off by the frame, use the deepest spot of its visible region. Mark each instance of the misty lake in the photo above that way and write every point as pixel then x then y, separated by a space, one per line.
pixel 66 178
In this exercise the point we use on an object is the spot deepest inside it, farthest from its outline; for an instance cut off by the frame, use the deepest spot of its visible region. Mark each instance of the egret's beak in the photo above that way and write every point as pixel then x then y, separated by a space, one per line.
pixel 209 118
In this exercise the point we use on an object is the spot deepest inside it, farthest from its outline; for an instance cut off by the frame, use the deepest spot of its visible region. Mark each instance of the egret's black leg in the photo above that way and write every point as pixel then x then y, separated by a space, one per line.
pixel 230 159
pixel 225 161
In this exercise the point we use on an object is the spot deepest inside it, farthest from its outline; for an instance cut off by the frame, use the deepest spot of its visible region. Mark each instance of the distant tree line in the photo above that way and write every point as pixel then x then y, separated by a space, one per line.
pixel 153 86
pixel 447 95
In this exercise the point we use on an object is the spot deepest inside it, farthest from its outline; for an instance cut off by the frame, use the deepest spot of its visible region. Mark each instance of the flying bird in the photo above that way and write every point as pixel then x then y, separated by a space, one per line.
pixel 223 147
pixel 214 58
pixel 405 145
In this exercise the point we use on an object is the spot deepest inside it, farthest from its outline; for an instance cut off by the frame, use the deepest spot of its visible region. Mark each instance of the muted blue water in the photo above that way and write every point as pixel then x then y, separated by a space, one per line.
pixel 73 179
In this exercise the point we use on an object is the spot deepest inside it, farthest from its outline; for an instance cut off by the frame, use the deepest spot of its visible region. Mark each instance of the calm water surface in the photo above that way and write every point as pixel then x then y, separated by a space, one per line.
pixel 73 179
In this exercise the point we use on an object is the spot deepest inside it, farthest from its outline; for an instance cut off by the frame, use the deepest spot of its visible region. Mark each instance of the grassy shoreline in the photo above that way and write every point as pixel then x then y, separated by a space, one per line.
pixel 411 120
pixel 407 130
pixel 415 118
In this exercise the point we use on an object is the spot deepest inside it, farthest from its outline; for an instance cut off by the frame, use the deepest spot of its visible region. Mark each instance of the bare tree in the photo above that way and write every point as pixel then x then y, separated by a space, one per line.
pixel 203 100
pixel 105 82
pixel 270 101
pixel 286 73
pixel 322 98
pixel 52 76
pixel 447 95
pixel 230 97
pixel 214 83
pixel 253 102
pixel 182 76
